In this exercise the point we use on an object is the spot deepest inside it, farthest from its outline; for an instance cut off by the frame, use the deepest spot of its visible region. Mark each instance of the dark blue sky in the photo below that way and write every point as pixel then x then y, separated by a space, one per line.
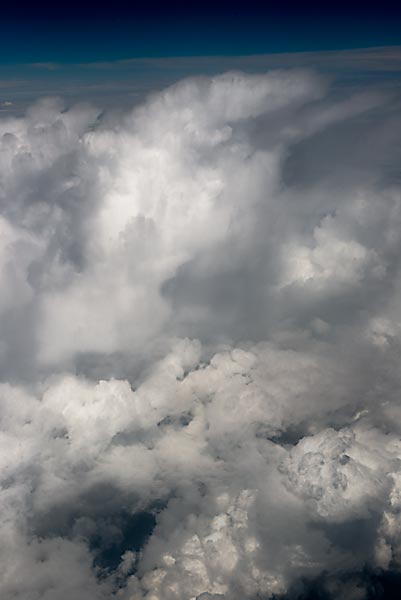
pixel 79 32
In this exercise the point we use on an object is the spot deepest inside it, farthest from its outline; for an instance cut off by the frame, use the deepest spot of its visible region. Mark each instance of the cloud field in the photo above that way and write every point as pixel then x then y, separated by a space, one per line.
pixel 200 344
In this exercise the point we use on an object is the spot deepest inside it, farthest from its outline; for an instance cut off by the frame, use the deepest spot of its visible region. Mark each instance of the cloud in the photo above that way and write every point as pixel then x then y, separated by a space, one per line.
pixel 199 344
pixel 47 66
pixel 361 60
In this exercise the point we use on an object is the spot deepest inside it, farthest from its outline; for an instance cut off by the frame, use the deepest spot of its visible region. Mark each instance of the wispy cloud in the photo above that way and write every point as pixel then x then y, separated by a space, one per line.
pixel 46 66
pixel 372 59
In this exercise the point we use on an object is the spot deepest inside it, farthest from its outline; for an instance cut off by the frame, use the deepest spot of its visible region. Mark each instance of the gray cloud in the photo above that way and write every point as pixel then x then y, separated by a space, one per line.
pixel 200 344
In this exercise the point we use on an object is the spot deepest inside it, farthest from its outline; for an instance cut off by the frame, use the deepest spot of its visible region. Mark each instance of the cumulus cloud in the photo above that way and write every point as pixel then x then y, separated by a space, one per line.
pixel 200 344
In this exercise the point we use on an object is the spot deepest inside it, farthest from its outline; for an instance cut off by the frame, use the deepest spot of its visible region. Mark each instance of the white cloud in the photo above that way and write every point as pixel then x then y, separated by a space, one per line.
pixel 196 337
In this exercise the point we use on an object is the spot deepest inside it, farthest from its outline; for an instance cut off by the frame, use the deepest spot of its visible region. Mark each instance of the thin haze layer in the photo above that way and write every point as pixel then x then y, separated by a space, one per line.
pixel 200 342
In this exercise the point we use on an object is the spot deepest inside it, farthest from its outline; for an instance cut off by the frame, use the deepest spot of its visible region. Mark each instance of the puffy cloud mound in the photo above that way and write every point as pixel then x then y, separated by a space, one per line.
pixel 200 342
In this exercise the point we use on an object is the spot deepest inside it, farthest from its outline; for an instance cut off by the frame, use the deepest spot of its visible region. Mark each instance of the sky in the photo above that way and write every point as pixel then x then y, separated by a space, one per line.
pixel 86 32
pixel 200 275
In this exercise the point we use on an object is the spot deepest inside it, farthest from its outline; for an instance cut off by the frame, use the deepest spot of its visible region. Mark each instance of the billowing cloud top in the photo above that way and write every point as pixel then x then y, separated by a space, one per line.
pixel 200 335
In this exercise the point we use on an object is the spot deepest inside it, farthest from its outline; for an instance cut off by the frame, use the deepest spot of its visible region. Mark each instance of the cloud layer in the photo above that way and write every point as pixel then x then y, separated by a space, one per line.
pixel 200 344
